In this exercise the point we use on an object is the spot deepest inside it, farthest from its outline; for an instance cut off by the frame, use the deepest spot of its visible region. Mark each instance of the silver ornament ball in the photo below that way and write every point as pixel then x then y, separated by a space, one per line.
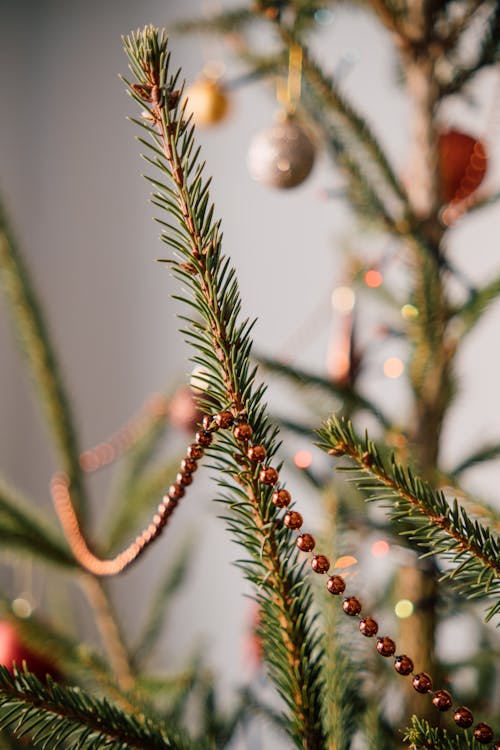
pixel 281 156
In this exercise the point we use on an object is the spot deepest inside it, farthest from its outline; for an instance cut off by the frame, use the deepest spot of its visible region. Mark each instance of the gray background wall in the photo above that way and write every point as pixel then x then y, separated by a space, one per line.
pixel 69 172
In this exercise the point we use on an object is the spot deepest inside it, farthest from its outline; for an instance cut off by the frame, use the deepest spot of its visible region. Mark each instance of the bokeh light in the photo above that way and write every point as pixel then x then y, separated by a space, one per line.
pixel 380 548
pixel 343 299
pixel 302 459
pixel 22 608
pixel 409 312
pixel 404 608
pixel 393 367
pixel 373 278
pixel 346 561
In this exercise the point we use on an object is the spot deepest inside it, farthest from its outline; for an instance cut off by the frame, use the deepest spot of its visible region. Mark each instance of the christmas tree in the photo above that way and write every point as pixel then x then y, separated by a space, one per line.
pixel 318 632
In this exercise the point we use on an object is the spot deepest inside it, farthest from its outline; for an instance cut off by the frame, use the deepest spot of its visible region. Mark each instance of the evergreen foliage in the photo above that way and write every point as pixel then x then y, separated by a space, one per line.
pixel 430 520
pixel 222 347
pixel 53 716
pixel 319 675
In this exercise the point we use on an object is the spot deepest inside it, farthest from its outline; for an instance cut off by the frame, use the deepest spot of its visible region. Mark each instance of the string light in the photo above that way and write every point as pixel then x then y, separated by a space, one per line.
pixel 393 367
pixel 373 278
pixel 380 548
pixel 302 459
pixel 404 608
pixel 22 608
pixel 409 312
pixel 343 299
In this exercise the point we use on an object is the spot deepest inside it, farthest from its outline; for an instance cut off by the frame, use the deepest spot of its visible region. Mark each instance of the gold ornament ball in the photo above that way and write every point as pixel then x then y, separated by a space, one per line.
pixel 207 102
pixel 281 156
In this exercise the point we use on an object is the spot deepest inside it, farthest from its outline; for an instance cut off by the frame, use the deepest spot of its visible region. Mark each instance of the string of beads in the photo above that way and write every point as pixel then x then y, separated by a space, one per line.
pixel 104 454
pixel 351 605
pixel 293 520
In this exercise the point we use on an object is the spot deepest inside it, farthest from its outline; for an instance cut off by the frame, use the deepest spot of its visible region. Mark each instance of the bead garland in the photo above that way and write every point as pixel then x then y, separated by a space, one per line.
pixel 104 454
pixel 109 450
pixel 351 605
pixel 293 520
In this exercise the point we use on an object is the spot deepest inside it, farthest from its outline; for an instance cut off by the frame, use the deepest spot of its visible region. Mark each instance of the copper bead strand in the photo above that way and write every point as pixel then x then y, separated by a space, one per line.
pixel 61 496
pixel 351 605
pixel 281 498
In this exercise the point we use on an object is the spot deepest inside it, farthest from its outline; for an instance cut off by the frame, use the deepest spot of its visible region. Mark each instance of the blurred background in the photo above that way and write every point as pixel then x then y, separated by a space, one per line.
pixel 70 177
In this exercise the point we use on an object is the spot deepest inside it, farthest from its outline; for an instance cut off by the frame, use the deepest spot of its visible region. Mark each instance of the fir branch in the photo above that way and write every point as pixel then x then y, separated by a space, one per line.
pixel 223 346
pixel 422 736
pixel 226 22
pixel 22 527
pixel 301 377
pixel 52 715
pixel 488 54
pixel 393 19
pixel 471 548
pixel 69 658
pixel 39 351
pixel 172 581
pixel 345 712
pixel 477 304
pixel 350 122
pixel 135 499
pixel 480 455
pixel 110 630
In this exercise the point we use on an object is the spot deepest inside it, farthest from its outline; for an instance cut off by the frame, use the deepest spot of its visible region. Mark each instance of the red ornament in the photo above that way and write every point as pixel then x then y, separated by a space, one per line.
pixel 183 410
pixel 13 650
pixel 462 165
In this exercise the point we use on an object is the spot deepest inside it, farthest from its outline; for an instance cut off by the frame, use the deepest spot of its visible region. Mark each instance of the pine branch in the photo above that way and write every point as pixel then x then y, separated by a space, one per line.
pixel 54 716
pixel 350 396
pixel 488 54
pixel 222 344
pixel 472 550
pixel 22 527
pixel 421 736
pixel 39 351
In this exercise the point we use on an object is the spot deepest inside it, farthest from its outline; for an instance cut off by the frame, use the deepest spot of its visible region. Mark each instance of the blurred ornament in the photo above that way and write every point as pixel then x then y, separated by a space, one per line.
pixel 183 409
pixel 253 642
pixel 281 156
pixel 462 165
pixel 14 651
pixel 207 101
